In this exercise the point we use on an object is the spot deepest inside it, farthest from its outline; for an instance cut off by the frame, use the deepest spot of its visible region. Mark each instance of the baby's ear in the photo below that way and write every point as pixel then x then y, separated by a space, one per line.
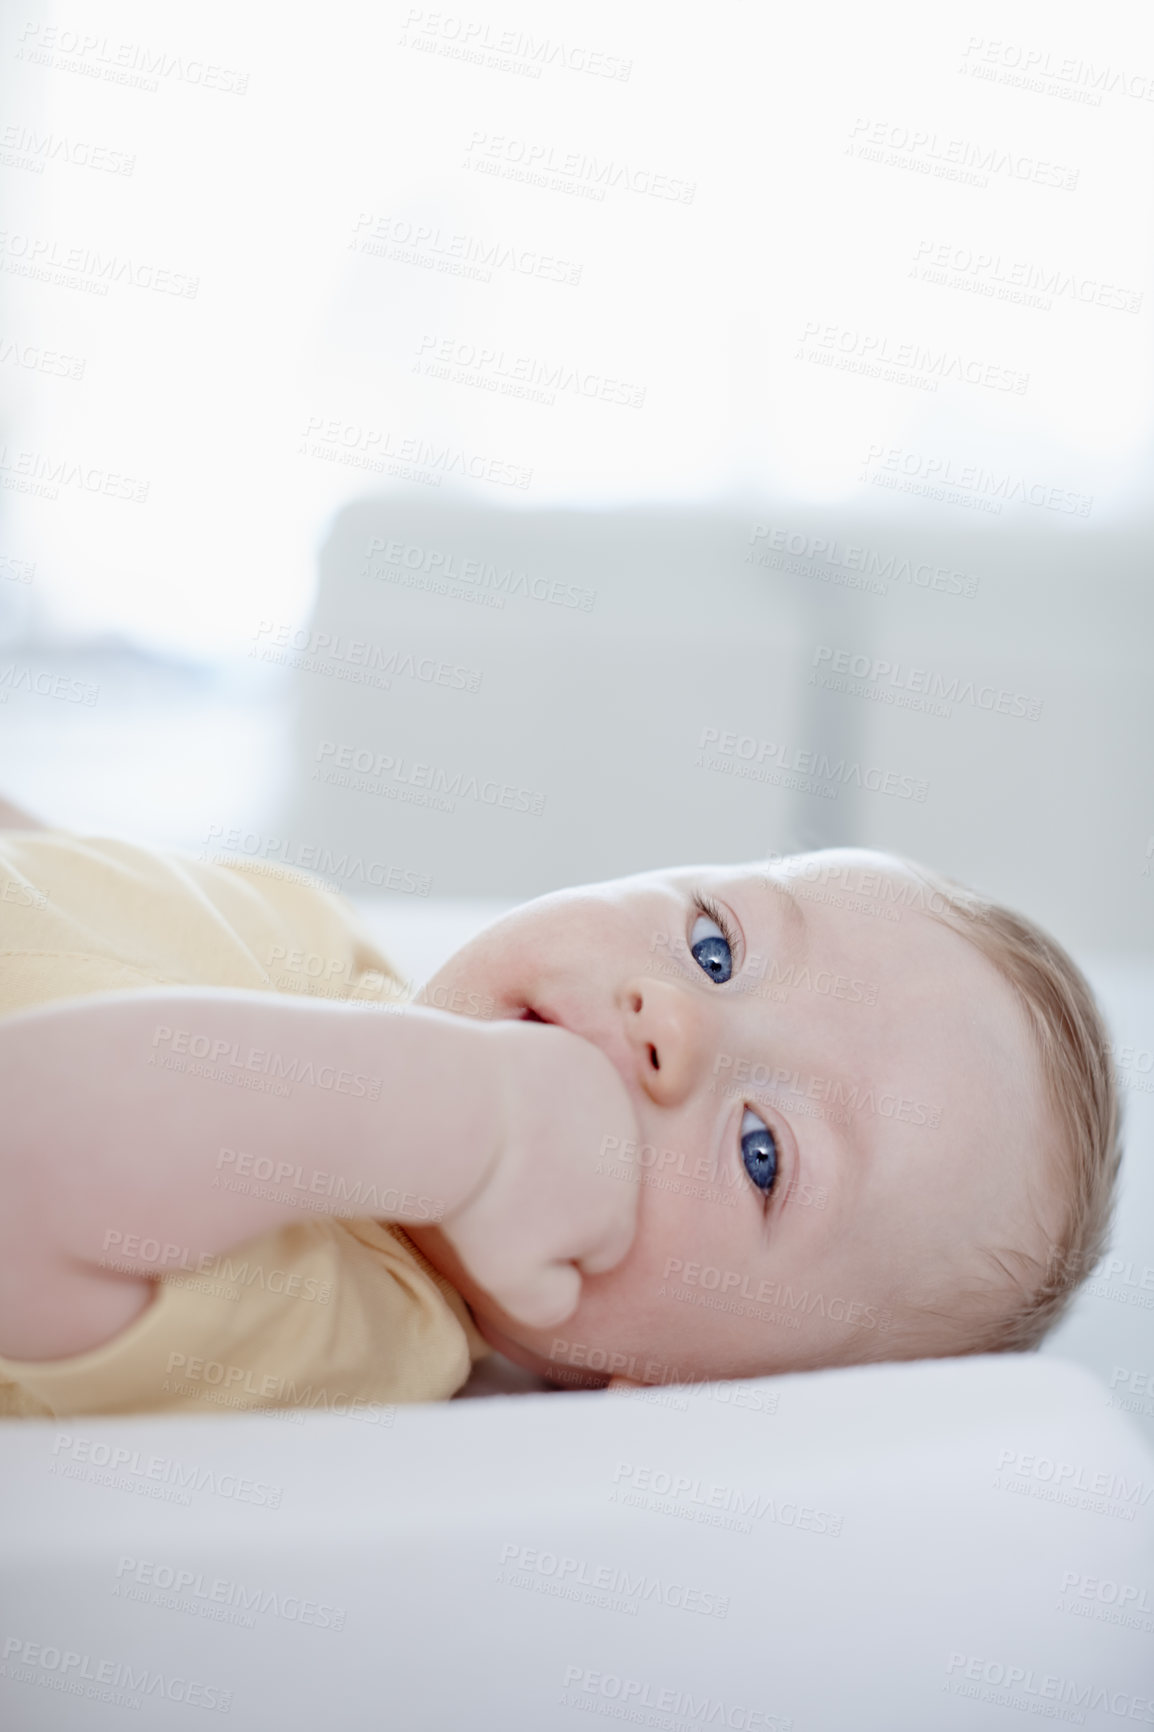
pixel 623 1383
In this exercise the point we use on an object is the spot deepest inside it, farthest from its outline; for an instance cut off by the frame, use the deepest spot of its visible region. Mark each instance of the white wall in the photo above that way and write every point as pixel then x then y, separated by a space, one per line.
pixel 855 277
pixel 688 221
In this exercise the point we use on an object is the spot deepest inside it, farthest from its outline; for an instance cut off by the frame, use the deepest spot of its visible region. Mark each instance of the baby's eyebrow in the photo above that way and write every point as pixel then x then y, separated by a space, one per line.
pixel 792 908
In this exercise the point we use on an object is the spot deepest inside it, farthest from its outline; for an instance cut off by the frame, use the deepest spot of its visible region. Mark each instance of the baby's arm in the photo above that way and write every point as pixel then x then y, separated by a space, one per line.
pixel 100 1137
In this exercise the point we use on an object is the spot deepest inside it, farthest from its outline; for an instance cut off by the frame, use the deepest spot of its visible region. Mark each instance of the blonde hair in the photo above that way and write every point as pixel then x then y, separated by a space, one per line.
pixel 1072 1047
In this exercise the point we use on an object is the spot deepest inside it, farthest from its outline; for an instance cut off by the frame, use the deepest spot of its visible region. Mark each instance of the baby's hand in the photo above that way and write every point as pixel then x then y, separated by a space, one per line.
pixel 548 1201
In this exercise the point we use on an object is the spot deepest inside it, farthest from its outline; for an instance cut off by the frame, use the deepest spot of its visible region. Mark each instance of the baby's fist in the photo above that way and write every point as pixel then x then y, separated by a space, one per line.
pixel 550 1207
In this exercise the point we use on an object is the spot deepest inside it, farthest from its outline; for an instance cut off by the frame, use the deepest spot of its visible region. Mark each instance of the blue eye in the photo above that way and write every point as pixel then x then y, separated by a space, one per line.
pixel 711 950
pixel 758 1151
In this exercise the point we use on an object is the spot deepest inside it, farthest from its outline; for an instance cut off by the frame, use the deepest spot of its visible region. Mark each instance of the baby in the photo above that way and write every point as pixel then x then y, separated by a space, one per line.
pixel 704 1122
pixel 877 1116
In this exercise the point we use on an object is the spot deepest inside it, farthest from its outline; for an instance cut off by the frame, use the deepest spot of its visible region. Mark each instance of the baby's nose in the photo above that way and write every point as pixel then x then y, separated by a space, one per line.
pixel 663 1025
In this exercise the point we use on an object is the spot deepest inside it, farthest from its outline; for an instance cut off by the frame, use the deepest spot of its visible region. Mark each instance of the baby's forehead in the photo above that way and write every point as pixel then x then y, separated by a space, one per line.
pixel 922 985
pixel 923 988
pixel 866 881
pixel 855 898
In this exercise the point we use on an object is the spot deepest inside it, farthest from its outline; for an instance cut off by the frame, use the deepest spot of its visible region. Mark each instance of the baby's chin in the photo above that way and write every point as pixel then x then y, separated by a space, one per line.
pixel 433 1244
pixel 530 1360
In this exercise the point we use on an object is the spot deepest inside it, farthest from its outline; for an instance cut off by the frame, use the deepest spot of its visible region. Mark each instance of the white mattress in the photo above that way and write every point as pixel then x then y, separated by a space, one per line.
pixel 867 1550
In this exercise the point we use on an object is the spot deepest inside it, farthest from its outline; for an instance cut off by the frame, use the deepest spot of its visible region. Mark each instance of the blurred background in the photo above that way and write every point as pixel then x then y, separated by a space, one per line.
pixel 470 453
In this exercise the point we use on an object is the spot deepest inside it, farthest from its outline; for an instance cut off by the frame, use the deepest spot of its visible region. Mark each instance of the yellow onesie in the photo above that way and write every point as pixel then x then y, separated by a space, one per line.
pixel 335 1315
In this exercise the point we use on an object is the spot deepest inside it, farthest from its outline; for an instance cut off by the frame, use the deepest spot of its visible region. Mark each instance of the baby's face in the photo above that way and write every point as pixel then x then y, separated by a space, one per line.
pixel 837 1110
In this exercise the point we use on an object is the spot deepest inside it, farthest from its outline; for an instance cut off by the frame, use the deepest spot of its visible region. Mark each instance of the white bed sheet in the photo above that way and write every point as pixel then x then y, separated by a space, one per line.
pixel 874 1549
